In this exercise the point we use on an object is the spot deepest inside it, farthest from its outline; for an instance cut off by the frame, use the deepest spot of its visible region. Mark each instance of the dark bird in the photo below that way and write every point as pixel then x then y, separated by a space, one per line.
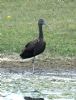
pixel 35 47
pixel 30 98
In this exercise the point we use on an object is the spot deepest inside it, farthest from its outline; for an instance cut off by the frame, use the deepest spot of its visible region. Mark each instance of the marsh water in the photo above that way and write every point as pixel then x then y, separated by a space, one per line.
pixel 54 85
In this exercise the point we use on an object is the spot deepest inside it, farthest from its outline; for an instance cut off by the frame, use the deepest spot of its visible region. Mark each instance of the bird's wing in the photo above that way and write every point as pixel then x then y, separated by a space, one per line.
pixel 27 45
pixel 31 44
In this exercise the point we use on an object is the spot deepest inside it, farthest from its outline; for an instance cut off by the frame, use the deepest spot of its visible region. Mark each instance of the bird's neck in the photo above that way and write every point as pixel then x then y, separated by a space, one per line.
pixel 40 32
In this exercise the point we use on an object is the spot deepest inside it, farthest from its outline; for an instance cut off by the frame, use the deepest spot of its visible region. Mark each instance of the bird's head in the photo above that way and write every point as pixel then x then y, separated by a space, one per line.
pixel 41 22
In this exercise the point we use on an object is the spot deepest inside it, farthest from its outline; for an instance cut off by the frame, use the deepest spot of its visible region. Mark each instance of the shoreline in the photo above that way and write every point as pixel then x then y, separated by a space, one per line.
pixel 15 61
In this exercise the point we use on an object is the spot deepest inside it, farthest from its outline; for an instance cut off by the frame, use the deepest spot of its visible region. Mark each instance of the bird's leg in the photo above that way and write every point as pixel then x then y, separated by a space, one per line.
pixel 33 60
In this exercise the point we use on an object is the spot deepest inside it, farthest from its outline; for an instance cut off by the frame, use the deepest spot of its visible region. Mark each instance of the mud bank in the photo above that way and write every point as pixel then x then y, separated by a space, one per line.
pixel 10 61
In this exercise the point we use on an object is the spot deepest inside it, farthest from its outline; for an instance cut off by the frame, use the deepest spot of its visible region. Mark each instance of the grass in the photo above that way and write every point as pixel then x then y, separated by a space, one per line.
pixel 21 26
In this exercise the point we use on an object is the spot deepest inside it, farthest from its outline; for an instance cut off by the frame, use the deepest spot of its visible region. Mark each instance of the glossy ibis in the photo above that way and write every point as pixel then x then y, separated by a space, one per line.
pixel 30 98
pixel 36 46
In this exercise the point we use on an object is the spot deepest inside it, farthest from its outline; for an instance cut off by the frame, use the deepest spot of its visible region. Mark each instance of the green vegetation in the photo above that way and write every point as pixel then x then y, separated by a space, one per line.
pixel 18 25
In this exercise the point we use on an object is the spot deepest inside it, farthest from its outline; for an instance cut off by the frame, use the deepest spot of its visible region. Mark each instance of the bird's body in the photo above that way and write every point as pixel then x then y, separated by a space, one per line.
pixel 35 47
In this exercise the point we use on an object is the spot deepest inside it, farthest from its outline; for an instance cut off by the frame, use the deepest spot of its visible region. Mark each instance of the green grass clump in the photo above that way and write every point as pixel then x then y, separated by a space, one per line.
pixel 21 26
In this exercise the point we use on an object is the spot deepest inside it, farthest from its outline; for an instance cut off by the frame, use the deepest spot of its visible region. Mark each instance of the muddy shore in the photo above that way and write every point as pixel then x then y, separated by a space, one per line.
pixel 16 64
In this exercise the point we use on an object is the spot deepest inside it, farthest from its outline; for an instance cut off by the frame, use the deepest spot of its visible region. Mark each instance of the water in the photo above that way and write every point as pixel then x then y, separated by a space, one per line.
pixel 51 86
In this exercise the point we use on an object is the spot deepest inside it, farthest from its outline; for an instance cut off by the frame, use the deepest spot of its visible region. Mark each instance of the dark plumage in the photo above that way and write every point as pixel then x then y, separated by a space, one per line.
pixel 35 47
pixel 30 98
